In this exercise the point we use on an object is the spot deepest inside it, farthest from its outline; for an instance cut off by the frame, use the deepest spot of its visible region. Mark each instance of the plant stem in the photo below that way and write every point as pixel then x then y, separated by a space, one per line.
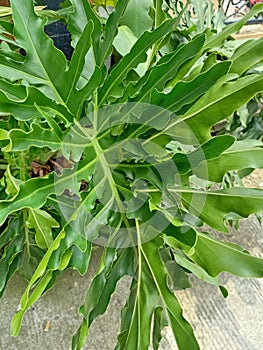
pixel 157 22
pixel 26 231
pixel 22 173
pixel 22 166
pixel 139 268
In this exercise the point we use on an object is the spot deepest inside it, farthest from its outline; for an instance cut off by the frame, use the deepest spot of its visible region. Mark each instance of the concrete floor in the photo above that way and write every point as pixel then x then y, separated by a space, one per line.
pixel 232 324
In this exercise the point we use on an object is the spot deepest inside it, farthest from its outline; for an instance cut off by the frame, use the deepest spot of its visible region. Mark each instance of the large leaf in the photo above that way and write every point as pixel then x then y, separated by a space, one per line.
pixel 102 287
pixel 216 257
pixel 213 206
pixel 237 157
pixel 218 103
pixel 207 152
pixel 185 93
pixel 40 67
pixel 37 136
pixel 24 108
pixel 206 257
pixel 247 56
pixel 181 329
pixel 138 313
pixel 137 18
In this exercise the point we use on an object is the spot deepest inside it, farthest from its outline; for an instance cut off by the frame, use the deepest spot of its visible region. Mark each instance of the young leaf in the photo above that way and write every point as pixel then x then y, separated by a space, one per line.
pixel 42 223
pixel 110 31
pixel 27 300
pixel 172 69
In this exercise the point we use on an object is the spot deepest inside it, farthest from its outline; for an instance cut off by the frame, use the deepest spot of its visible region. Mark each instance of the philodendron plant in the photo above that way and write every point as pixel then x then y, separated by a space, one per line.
pixel 120 155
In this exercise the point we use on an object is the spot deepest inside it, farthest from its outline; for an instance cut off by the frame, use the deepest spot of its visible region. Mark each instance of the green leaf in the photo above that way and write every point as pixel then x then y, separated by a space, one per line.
pixel 124 40
pixel 26 109
pixel 247 56
pixel 137 314
pixel 80 259
pixel 207 152
pixel 213 206
pixel 198 271
pixel 215 257
pixel 110 30
pixel 103 286
pixel 131 60
pixel 217 103
pixel 181 329
pixel 12 91
pixel 82 13
pixel 136 16
pixel 40 67
pixel 172 67
pixel 30 257
pixel 157 327
pixel 78 18
pixel 33 193
pixel 185 93
pixel 42 223
pixel 177 278
pixel 11 251
pixel 12 183
pixel 39 64
pixel 65 259
pixel 235 158
pixel 12 229
pixel 27 300
pixel 72 239
pixel 38 291
pixel 37 136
